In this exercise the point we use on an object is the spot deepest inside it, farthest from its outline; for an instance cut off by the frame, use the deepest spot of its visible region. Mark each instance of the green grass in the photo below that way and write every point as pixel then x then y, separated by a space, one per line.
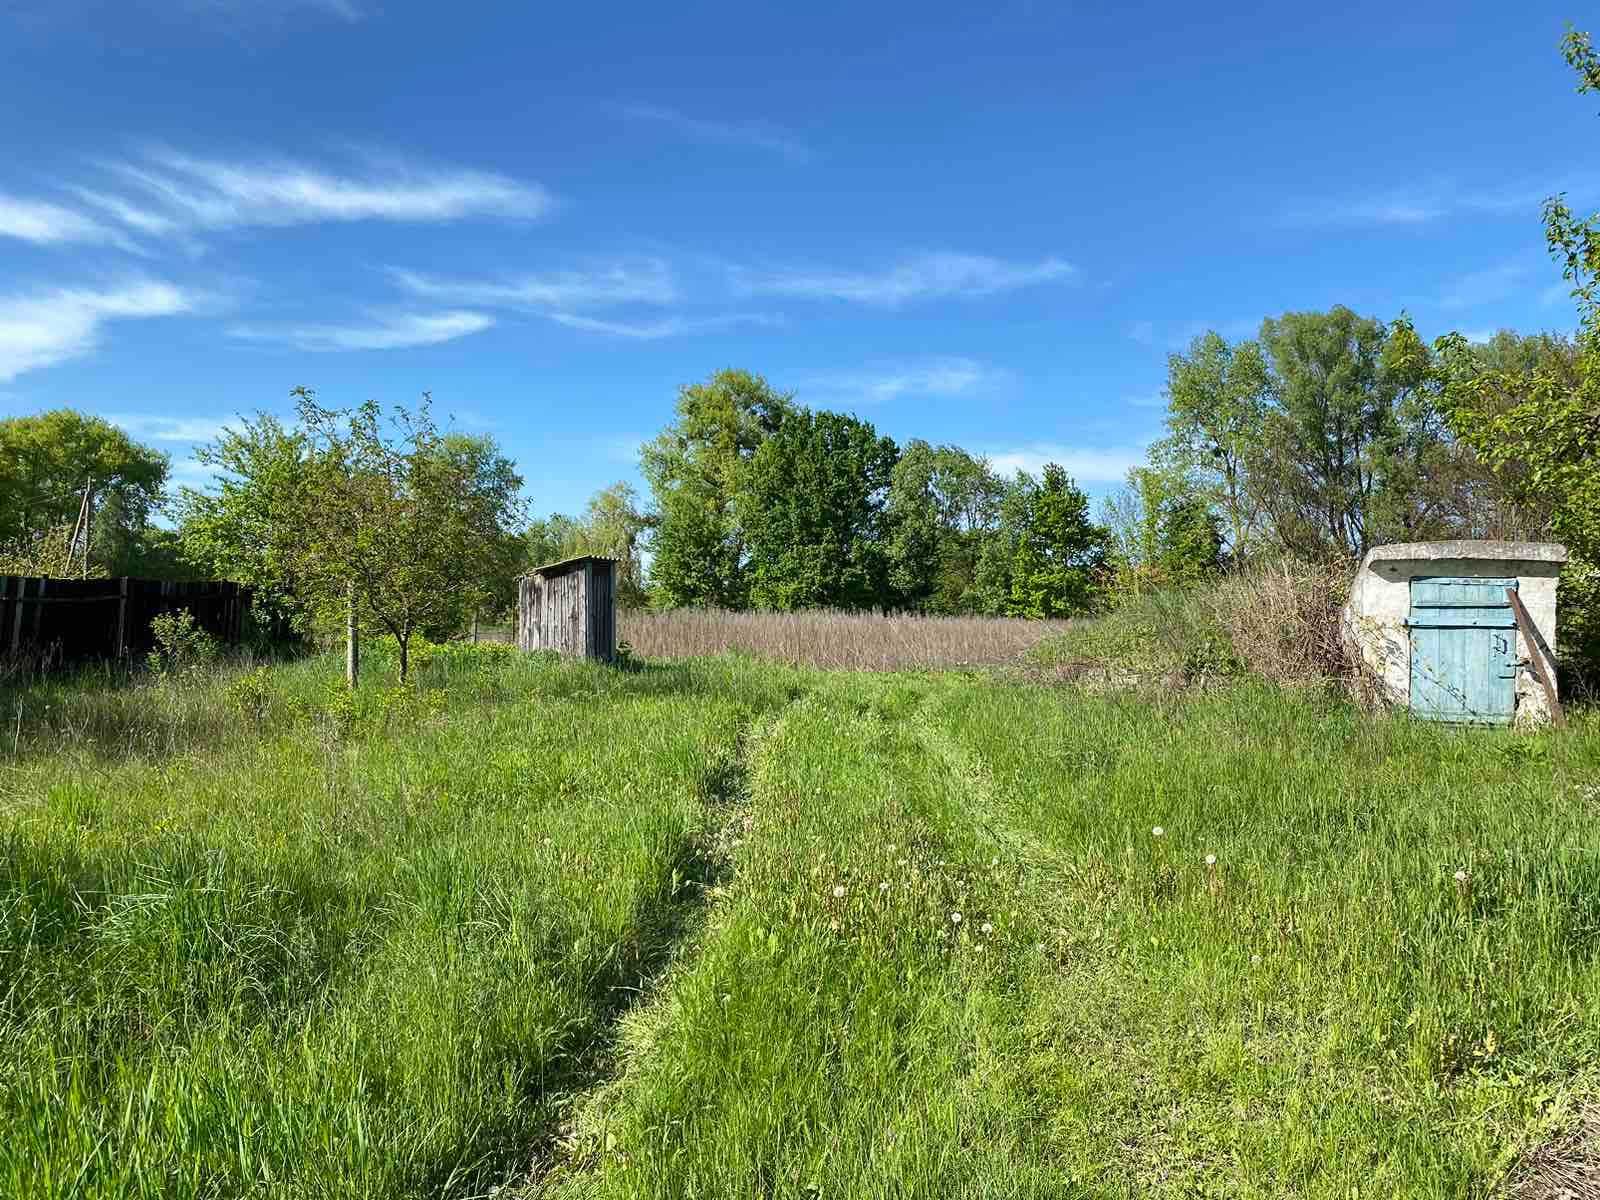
pixel 690 931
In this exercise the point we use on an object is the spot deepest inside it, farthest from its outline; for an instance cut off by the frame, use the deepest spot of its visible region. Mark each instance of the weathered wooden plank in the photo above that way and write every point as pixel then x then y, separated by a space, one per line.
pixel 1536 653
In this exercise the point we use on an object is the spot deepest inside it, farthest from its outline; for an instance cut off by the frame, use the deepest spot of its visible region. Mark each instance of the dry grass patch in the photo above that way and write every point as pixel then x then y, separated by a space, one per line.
pixel 1567 1167
pixel 852 641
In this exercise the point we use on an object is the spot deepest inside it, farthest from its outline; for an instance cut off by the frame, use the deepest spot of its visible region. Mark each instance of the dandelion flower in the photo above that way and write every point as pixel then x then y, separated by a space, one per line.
pixel 838 891
pixel 986 928
pixel 955 918
pixel 1211 860
pixel 883 887
pixel 1157 831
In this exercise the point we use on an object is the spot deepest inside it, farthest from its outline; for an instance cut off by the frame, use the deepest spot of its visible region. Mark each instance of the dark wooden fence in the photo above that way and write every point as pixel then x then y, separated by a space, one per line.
pixel 109 618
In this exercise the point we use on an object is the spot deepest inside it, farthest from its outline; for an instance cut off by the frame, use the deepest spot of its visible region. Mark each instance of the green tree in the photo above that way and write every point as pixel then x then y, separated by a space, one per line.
pixel 1162 529
pixel 246 526
pixel 46 462
pixel 812 513
pixel 1218 398
pixel 390 515
pixel 695 469
pixel 1046 558
pixel 1329 441
pixel 942 502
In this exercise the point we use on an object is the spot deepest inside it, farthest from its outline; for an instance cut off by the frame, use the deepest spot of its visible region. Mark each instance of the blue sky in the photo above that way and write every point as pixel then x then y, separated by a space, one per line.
pixel 982 224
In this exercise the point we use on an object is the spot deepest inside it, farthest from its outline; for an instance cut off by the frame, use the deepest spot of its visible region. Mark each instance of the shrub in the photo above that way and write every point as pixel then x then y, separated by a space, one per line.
pixel 182 647
pixel 251 693
pixel 1283 620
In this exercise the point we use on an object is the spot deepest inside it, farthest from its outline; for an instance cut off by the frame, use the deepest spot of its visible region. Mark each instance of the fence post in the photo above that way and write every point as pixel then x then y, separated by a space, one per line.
pixel 122 617
pixel 352 640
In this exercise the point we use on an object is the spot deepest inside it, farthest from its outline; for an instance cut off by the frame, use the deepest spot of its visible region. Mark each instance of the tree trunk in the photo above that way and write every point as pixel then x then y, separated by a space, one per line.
pixel 352 641
pixel 405 656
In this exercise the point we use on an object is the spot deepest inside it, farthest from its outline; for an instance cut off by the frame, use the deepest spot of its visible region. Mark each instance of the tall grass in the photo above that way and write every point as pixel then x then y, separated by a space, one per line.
pixel 845 640
pixel 361 954
pixel 692 930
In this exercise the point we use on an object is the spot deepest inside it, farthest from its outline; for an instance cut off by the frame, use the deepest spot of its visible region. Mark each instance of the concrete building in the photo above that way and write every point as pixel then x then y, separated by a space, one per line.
pixel 1435 625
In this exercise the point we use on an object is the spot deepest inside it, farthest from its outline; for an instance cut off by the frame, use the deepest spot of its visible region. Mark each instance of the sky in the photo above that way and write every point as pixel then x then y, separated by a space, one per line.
pixel 981 224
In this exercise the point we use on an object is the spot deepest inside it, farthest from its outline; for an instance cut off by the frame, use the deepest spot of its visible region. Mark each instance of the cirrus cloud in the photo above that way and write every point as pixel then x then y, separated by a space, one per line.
pixel 393 331
pixel 45 328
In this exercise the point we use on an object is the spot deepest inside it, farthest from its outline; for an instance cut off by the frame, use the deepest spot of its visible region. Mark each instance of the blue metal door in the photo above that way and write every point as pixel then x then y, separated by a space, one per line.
pixel 1463 650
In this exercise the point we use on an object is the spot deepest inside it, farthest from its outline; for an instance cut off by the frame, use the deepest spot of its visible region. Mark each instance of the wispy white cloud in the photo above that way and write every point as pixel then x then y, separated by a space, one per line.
pixel 47 224
pixel 928 276
pixel 208 194
pixel 140 220
pixel 655 328
pixel 938 377
pixel 758 135
pixel 1488 286
pixel 1086 464
pixel 1420 204
pixel 647 281
pixel 43 329
pixel 394 331
pixel 158 428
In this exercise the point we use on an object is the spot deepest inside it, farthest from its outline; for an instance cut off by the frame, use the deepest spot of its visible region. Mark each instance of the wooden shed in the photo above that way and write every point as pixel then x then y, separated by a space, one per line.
pixel 570 607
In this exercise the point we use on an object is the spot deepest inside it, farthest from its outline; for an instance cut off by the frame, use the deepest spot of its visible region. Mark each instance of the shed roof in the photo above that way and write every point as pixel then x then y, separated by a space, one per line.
pixel 1468 548
pixel 569 564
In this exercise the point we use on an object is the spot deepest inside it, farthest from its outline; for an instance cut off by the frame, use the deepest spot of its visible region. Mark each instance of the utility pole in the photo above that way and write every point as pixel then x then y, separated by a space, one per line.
pixel 81 527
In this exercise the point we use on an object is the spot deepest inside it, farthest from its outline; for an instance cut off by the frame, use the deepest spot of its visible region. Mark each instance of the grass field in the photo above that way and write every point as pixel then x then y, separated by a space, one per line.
pixel 728 928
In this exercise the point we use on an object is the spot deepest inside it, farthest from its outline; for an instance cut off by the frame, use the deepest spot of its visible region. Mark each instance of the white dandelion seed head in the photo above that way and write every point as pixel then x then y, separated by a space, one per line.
pixel 883 887
pixel 1462 876
pixel 838 891
pixel 955 918
pixel 1255 958
pixel 1157 831
pixel 986 927
pixel 1211 860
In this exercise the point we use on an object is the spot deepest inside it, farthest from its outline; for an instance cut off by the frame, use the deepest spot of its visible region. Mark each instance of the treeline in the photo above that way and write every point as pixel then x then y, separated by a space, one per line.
pixel 758 502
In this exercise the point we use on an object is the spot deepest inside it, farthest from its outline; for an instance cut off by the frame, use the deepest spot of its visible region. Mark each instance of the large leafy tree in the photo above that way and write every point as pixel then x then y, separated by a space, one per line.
pixel 695 469
pixel 812 513
pixel 353 510
pixel 1333 459
pixel 1047 558
pixel 942 503
pixel 47 461
pixel 1218 398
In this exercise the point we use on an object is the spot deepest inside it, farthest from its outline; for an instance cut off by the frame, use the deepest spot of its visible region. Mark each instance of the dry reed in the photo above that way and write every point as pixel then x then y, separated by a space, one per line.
pixel 852 641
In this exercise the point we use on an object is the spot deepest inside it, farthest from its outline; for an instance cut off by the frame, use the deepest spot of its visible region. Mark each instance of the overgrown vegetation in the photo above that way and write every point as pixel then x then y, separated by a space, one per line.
pixel 730 928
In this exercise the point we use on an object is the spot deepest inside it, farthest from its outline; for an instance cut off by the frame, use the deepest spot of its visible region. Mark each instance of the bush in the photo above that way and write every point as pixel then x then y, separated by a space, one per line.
pixel 182 647
pixel 1279 622
pixel 1283 621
